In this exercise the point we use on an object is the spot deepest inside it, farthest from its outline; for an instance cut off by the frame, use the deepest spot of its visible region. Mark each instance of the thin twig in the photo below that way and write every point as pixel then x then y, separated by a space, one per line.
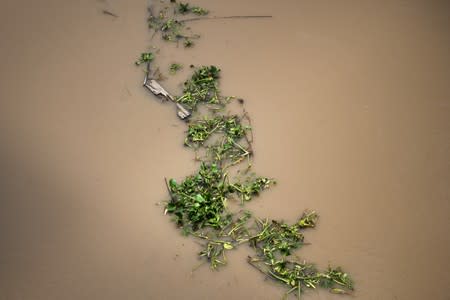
pixel 226 17
pixel 107 12
pixel 252 263
pixel 169 190
pixel 246 116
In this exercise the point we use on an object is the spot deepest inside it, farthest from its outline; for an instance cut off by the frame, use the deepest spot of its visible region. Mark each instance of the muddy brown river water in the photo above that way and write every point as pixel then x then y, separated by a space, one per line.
pixel 350 103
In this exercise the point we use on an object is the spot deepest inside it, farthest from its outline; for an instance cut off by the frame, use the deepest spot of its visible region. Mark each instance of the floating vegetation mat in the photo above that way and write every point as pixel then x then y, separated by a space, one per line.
pixel 209 205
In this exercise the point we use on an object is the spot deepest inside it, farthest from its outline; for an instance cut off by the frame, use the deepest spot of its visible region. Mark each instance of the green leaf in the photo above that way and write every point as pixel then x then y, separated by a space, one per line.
pixel 227 246
pixel 173 184
pixel 199 198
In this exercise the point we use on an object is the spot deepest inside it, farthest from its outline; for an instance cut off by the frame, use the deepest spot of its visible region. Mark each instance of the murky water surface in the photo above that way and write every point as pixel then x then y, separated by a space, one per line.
pixel 350 106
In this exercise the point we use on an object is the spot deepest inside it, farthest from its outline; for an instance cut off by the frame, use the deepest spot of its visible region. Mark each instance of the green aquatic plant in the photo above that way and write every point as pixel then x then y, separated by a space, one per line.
pixel 200 130
pixel 145 58
pixel 297 276
pixel 188 43
pixel 185 8
pixel 167 23
pixel 202 87
pixel 199 11
pixel 231 143
pixel 252 187
pixel 275 242
pixel 199 204
pixel 208 205
pixel 200 200
pixel 174 68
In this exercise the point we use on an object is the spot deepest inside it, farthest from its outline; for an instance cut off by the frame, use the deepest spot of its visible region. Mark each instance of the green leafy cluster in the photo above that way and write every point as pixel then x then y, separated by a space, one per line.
pixel 199 11
pixel 277 238
pixel 300 275
pixel 276 241
pixel 145 57
pixel 201 204
pixel 252 188
pixel 227 150
pixel 174 68
pixel 228 238
pixel 200 200
pixel 202 87
pixel 231 144
pixel 201 130
pixel 185 8
pixel 171 28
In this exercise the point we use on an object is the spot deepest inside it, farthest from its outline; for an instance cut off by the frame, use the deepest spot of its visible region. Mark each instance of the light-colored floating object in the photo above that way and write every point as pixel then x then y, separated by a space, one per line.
pixel 156 89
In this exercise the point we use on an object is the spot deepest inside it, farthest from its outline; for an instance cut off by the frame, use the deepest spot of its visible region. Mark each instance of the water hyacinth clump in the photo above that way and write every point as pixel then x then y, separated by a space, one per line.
pixel 199 204
pixel 209 205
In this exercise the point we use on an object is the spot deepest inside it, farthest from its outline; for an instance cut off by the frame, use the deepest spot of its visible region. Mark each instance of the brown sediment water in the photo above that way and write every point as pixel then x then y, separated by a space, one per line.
pixel 350 105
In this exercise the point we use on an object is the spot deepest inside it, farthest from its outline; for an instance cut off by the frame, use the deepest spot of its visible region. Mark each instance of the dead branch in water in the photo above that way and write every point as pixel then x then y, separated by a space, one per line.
pixel 226 17
pixel 107 12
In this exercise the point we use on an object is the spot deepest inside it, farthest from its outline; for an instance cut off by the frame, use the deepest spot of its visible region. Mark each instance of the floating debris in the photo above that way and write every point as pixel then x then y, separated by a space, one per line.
pixel 107 12
pixel 209 204
pixel 153 86
pixel 174 68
